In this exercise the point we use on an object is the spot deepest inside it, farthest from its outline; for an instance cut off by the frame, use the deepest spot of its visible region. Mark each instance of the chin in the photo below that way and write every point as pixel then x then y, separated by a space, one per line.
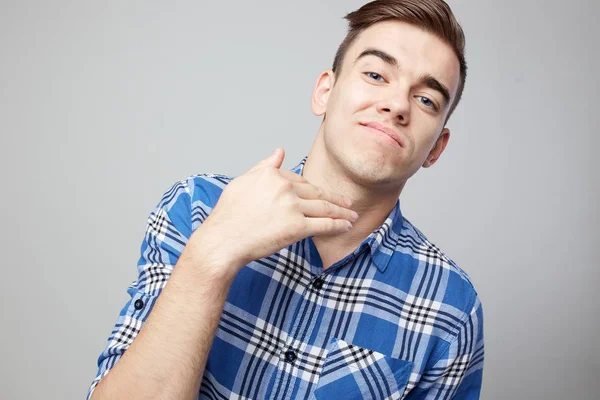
pixel 363 162
pixel 370 169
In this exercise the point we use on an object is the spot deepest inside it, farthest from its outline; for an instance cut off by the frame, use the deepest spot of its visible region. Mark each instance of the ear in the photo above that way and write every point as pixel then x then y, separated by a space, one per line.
pixel 321 92
pixel 438 148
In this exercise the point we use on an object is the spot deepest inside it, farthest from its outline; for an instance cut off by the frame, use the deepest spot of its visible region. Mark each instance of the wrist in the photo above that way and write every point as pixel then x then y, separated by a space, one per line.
pixel 212 253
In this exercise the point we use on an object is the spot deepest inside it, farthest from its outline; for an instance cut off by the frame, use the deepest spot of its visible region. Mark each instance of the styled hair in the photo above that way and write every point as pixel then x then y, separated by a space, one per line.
pixel 433 16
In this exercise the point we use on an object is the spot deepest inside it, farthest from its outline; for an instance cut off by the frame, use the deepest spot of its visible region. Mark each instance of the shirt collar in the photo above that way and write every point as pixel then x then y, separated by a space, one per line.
pixel 382 241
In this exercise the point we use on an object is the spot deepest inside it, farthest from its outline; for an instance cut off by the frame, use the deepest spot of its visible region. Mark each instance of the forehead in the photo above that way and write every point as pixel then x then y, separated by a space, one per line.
pixel 417 51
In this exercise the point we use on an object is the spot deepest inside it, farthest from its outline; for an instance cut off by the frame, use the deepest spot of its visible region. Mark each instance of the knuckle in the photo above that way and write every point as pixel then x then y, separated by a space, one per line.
pixel 286 185
pixel 293 202
pixel 331 225
pixel 299 225
pixel 327 208
pixel 302 224
pixel 320 193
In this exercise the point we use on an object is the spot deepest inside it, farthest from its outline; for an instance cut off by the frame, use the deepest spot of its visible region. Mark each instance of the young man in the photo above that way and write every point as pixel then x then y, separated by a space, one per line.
pixel 311 283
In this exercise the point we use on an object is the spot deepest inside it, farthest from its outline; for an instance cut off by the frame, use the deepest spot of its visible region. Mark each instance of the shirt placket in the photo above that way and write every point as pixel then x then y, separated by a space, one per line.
pixel 294 360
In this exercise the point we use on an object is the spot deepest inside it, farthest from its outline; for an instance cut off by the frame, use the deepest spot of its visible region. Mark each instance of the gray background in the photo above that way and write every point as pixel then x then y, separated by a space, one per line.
pixel 104 105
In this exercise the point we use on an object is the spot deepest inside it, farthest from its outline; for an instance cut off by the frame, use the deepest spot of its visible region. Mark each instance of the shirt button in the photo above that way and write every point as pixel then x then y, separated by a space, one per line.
pixel 318 283
pixel 139 304
pixel 290 356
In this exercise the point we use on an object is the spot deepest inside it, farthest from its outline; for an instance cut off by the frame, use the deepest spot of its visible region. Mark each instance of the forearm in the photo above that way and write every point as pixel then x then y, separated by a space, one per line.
pixel 167 358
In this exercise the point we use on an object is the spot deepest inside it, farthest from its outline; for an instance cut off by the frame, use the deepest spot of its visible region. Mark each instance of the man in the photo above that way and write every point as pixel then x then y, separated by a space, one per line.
pixel 310 283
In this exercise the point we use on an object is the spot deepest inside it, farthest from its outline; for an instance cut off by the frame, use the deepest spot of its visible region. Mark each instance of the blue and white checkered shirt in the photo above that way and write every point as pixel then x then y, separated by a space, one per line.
pixel 396 319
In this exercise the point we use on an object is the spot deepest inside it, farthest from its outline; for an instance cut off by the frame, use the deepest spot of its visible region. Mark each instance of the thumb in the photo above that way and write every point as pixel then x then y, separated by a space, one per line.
pixel 275 159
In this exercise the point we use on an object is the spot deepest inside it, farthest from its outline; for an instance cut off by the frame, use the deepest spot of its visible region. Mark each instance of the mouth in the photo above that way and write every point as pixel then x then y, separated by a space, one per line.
pixel 391 134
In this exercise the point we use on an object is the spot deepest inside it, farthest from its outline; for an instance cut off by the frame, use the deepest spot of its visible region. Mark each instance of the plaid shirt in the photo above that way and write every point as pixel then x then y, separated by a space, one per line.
pixel 396 319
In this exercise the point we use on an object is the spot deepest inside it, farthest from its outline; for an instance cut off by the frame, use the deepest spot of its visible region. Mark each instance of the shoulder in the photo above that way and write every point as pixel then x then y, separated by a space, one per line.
pixel 459 291
pixel 423 247
pixel 199 189
pixel 186 204
pixel 205 189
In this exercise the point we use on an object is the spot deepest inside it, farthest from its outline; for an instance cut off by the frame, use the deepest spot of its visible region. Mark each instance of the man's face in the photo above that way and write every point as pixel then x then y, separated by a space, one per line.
pixel 393 76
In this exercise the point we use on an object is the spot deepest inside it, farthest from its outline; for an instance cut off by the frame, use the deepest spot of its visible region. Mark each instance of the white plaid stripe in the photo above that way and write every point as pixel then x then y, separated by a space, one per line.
pixel 157 224
pixel 152 278
pixel 212 389
pixel 125 333
pixel 254 336
pixel 419 314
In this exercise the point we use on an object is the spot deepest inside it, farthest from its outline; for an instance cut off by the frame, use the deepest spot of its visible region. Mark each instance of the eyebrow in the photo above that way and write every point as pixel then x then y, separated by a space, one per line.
pixel 426 79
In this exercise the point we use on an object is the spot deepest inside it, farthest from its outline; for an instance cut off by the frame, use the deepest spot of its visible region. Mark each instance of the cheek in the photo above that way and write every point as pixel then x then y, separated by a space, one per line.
pixel 424 145
pixel 350 102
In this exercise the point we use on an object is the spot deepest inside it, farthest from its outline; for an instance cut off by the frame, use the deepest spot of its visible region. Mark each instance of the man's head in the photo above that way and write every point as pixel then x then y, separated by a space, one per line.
pixel 401 66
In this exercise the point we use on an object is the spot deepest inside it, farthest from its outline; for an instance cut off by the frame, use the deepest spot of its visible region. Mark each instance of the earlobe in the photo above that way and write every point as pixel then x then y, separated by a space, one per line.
pixel 321 92
pixel 438 148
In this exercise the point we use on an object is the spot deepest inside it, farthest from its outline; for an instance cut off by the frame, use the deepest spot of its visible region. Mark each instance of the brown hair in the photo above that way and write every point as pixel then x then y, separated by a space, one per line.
pixel 433 16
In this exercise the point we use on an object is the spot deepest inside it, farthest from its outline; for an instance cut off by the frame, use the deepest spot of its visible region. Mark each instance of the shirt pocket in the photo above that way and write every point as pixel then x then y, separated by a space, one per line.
pixel 353 372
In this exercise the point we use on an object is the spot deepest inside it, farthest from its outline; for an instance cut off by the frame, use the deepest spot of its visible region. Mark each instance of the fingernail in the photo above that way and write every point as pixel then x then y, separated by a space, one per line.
pixel 349 226
pixel 354 216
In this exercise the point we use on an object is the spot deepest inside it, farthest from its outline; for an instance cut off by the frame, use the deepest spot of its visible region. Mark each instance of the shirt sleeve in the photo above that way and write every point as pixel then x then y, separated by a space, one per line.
pixel 458 372
pixel 168 228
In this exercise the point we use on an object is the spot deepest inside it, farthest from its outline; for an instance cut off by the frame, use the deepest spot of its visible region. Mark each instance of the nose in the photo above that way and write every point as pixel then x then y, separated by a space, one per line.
pixel 395 106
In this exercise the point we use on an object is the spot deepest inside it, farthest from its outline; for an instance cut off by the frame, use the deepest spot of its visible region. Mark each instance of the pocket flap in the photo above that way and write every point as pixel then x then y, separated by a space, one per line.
pixel 353 372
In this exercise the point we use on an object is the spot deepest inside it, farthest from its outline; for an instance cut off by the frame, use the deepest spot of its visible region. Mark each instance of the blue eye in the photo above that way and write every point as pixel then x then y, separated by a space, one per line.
pixel 374 75
pixel 427 103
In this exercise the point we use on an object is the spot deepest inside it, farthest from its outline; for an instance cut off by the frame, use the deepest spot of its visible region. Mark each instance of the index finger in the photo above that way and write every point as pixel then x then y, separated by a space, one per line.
pixel 308 191
pixel 292 176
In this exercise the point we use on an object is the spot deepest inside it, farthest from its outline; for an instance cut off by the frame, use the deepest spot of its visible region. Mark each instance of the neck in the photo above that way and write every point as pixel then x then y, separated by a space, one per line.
pixel 372 203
